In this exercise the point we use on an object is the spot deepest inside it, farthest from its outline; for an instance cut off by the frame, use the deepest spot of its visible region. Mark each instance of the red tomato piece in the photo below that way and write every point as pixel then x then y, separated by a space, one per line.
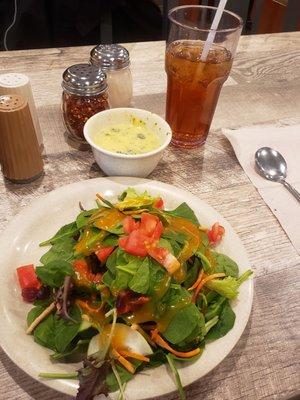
pixel 129 224
pixel 134 243
pixel 157 231
pixel 159 203
pixel 27 277
pixel 84 275
pixel 148 223
pixel 103 253
pixel 215 234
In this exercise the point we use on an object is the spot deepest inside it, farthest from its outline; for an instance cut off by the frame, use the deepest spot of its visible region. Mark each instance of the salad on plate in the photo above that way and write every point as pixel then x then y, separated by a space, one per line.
pixel 129 286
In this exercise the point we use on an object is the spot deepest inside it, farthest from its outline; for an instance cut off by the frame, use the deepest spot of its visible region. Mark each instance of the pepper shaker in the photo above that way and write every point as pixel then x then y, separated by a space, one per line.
pixel 19 149
pixel 15 83
pixel 114 60
pixel 84 94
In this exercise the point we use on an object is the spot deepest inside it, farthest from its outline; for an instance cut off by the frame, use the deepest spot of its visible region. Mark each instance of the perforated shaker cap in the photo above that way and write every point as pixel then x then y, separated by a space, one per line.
pixel 11 102
pixel 84 79
pixel 110 56
pixel 12 80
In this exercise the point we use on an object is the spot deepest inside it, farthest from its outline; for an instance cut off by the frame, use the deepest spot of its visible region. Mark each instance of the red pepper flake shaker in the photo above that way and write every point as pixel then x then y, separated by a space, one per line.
pixel 84 94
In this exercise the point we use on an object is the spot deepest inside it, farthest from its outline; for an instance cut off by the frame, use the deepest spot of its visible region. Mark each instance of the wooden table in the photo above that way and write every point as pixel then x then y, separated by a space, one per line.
pixel 264 87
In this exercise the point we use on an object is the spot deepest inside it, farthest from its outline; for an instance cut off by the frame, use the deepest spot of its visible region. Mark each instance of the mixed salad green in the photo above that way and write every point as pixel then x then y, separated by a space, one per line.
pixel 129 286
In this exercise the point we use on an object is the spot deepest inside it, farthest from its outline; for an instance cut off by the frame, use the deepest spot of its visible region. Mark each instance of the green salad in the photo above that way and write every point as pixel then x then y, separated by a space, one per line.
pixel 129 286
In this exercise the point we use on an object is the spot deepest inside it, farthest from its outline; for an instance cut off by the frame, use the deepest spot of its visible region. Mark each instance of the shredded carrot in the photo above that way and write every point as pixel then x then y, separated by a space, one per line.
pixel 136 356
pixel 145 335
pixel 199 279
pixel 162 343
pixel 203 282
pixel 126 364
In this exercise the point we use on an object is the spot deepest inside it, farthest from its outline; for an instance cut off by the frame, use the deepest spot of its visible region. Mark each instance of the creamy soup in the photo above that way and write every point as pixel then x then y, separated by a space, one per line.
pixel 128 138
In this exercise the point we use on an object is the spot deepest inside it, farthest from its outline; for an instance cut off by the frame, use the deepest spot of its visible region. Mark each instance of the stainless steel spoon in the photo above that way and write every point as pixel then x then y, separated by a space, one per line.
pixel 271 165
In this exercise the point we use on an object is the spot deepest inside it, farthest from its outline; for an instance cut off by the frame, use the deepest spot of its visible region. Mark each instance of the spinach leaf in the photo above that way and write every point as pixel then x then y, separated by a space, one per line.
pixel 125 376
pixel 67 231
pixel 53 273
pixel 61 250
pixel 214 308
pixel 156 275
pixel 83 218
pixel 192 274
pixel 110 240
pixel 166 244
pixel 184 322
pixel 116 230
pixel 226 264
pixel 184 211
pixel 179 237
pixel 34 313
pixel 204 242
pixel 65 331
pixel 44 332
pixel 69 355
pixel 120 282
pixel 156 359
pixel 111 262
pixel 108 278
pixel 224 325
pixel 205 262
pixel 140 281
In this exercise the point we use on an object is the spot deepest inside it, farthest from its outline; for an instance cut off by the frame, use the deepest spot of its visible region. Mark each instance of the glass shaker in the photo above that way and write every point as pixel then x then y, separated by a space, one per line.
pixel 84 94
pixel 114 60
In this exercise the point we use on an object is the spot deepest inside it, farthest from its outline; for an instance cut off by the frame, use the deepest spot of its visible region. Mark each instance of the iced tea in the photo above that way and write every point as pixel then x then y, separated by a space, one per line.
pixel 193 89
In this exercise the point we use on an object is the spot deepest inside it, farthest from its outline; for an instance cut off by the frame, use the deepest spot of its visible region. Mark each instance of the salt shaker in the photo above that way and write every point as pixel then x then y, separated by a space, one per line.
pixel 84 94
pixel 114 60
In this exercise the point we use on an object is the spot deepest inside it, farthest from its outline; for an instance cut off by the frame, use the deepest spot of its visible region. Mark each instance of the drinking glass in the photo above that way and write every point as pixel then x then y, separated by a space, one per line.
pixel 194 85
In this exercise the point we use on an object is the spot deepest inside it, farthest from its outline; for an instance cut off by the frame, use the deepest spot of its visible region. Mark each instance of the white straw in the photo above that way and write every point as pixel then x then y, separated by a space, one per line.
pixel 212 33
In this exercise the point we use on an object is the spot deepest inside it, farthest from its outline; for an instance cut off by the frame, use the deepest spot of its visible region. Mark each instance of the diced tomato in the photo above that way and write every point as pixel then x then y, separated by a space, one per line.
pixel 148 223
pixel 27 277
pixel 159 203
pixel 164 257
pixel 103 253
pixel 129 224
pixel 215 234
pixel 84 275
pixel 134 243
pixel 157 231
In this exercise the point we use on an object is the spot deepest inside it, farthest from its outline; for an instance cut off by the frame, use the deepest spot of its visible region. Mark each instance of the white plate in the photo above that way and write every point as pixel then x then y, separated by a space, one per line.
pixel 40 220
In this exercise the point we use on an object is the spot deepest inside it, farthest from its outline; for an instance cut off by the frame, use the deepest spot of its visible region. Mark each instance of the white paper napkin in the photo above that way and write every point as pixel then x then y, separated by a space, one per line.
pixel 245 142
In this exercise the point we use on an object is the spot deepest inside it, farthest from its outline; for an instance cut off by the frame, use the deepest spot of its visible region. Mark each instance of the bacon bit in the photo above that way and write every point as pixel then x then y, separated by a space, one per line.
pixel 126 364
pixel 136 356
pixel 199 279
pixel 138 328
pixel 203 282
pixel 162 343
pixel 128 301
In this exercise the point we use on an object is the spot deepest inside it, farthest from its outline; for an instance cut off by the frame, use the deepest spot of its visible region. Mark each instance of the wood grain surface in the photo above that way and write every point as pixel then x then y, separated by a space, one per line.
pixel 264 87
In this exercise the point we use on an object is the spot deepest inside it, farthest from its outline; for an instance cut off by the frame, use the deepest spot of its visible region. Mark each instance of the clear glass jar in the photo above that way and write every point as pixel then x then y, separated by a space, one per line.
pixel 84 94
pixel 114 60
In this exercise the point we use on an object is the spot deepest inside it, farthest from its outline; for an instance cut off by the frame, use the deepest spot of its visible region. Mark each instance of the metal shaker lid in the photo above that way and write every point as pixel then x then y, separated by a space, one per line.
pixel 84 79
pixel 110 56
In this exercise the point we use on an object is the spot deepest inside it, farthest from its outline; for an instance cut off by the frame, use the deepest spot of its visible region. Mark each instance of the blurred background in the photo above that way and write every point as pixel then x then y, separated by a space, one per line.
pixel 28 24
